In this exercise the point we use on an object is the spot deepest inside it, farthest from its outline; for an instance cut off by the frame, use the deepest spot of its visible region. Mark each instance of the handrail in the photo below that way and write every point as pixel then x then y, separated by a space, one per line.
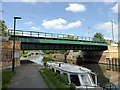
pixel 52 35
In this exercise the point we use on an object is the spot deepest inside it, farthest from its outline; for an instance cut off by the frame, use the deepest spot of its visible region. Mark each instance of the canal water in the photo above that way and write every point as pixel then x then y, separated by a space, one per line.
pixel 106 73
pixel 37 59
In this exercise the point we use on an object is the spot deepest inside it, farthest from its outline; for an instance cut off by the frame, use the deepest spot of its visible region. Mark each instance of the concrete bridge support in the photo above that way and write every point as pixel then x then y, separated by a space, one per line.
pixel 91 56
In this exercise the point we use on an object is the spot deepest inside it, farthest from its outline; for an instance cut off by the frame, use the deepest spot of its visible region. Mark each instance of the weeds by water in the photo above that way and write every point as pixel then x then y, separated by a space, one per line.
pixel 55 80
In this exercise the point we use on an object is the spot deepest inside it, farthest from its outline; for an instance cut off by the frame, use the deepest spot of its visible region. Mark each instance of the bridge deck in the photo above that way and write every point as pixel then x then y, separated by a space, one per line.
pixel 35 41
pixel 56 41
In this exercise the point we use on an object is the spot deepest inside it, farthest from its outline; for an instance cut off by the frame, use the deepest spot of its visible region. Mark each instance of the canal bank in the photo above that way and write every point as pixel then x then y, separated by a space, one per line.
pixel 106 73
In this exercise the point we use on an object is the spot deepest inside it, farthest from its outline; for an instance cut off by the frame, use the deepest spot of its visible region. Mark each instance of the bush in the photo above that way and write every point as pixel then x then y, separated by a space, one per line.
pixel 72 86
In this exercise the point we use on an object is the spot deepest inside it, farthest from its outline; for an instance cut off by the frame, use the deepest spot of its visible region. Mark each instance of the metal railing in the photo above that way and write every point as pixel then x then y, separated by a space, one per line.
pixel 52 35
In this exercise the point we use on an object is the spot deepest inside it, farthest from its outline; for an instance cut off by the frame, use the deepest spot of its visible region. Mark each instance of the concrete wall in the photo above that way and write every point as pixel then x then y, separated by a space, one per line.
pixel 7 54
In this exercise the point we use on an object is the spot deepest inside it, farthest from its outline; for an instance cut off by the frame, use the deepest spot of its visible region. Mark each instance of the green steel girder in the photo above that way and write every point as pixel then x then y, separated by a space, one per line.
pixel 31 43
pixel 45 46
pixel 51 41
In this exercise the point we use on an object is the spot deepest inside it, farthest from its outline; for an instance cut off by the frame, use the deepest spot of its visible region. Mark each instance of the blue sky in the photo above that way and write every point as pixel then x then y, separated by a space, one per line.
pixel 63 17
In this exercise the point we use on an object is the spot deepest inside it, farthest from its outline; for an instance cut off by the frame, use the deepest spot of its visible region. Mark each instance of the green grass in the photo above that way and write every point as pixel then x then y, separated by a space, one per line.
pixel 6 78
pixel 54 80
pixel 77 55
pixel 23 58
pixel 47 59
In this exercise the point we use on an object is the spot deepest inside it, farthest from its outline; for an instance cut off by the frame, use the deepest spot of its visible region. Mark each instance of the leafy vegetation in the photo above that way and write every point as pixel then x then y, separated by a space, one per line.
pixel 55 80
pixel 28 51
pixel 70 37
pixel 99 36
pixel 118 57
pixel 76 50
pixel 6 78
pixel 48 51
pixel 64 52
pixel 45 60
pixel 3 28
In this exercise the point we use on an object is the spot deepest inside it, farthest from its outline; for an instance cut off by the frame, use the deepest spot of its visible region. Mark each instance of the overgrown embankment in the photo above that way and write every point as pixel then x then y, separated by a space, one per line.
pixel 54 80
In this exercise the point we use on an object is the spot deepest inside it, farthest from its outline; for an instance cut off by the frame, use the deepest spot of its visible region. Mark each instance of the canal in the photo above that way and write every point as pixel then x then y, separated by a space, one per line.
pixel 106 73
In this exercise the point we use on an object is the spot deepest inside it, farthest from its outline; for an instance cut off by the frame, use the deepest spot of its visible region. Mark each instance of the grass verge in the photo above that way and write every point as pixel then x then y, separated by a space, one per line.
pixel 6 78
pixel 54 80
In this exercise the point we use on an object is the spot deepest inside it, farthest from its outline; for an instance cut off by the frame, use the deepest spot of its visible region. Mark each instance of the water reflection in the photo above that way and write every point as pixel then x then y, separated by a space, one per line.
pixel 37 59
pixel 106 73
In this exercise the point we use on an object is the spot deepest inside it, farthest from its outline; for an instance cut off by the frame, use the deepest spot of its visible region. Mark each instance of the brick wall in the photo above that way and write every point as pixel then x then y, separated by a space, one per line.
pixel 112 51
pixel 7 54
pixel 112 54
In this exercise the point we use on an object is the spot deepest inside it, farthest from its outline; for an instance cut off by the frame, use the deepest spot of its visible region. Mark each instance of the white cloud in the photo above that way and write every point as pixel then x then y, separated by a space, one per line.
pixel 29 23
pixel 107 38
pixel 35 28
pixel 107 26
pixel 73 24
pixel 60 24
pixel 75 7
pixel 115 8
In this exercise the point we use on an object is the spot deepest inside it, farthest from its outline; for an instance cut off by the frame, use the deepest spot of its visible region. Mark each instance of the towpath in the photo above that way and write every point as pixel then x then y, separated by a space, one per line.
pixel 28 76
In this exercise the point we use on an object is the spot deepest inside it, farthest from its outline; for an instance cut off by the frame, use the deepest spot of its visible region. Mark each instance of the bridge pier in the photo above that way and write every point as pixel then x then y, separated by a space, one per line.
pixel 91 57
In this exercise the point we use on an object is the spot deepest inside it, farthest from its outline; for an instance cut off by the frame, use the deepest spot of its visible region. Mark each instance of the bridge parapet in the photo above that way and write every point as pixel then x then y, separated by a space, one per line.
pixel 53 36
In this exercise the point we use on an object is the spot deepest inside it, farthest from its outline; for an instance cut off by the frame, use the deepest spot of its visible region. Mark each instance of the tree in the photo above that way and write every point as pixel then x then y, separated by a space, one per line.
pixel 99 37
pixel 3 28
pixel 48 51
pixel 70 37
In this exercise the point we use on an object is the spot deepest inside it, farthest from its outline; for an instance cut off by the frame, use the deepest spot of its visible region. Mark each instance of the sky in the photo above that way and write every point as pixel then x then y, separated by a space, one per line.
pixel 74 18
